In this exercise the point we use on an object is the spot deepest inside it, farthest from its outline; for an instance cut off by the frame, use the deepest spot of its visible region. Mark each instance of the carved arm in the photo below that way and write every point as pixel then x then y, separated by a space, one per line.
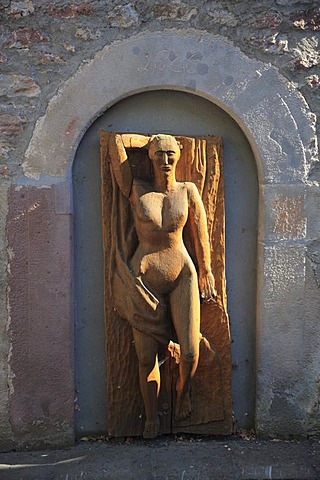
pixel 135 140
pixel 198 223
pixel 119 158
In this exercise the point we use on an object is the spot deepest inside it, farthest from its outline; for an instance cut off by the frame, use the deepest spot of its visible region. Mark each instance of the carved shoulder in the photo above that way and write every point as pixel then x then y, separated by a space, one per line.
pixel 193 195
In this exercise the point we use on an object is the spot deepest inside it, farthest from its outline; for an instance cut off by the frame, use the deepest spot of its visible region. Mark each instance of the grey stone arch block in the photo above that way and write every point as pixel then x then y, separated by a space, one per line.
pixel 280 129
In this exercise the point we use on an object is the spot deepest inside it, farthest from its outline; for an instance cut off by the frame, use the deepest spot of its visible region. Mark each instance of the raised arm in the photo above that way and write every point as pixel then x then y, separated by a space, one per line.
pixel 198 223
pixel 119 158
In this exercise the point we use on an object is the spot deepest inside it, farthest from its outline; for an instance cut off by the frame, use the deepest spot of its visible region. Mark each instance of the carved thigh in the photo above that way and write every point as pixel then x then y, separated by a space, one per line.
pixel 146 348
pixel 185 311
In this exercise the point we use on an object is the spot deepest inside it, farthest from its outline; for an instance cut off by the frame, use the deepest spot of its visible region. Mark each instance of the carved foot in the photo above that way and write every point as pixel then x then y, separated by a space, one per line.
pixel 183 407
pixel 151 429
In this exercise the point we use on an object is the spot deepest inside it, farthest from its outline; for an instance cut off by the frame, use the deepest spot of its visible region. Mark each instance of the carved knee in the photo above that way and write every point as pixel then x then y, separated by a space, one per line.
pixel 146 361
pixel 189 357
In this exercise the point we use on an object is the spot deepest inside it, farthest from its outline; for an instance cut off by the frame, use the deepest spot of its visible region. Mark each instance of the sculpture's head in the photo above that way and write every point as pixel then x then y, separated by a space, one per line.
pixel 164 152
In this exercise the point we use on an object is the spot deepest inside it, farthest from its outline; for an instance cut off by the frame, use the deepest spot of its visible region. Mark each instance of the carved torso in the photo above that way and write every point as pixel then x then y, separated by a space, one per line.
pixel 156 212
pixel 159 220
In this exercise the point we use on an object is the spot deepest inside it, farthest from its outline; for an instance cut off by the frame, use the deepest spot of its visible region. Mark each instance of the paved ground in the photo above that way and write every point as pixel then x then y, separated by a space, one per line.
pixel 168 458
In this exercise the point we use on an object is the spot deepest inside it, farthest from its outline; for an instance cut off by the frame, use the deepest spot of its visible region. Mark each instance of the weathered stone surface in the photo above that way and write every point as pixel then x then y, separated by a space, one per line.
pixel 18 85
pixel 124 16
pixel 311 400
pixel 312 207
pixel 3 58
pixel 181 11
pixel 5 148
pixel 306 54
pixel 70 11
pixel 220 15
pixel 294 2
pixel 313 253
pixel 50 58
pixel 281 140
pixel 276 43
pixel 289 398
pixel 42 401
pixel 313 81
pixel 11 125
pixel 307 19
pixel 4 171
pixel 69 47
pixel 268 20
pixel 285 217
pixel 282 330
pixel 21 8
pixel 6 435
pixel 87 34
pixel 289 221
pixel 25 37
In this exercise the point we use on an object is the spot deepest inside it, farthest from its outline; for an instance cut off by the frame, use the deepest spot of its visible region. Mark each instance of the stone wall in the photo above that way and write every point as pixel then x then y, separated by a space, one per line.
pixel 44 43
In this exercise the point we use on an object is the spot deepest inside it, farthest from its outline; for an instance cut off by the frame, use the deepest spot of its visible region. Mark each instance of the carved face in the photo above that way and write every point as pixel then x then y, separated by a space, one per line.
pixel 164 152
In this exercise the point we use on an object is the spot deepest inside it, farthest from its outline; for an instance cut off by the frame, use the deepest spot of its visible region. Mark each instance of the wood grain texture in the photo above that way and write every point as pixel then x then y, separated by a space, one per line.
pixel 211 386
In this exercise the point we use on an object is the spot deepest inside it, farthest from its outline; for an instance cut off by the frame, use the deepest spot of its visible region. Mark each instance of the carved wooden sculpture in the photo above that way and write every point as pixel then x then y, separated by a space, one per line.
pixel 154 277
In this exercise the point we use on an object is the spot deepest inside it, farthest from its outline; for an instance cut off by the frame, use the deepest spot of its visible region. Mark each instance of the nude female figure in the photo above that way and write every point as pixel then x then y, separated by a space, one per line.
pixel 160 211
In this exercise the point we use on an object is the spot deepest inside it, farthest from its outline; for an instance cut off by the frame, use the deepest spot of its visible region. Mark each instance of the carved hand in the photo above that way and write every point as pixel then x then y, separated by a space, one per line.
pixel 135 140
pixel 207 286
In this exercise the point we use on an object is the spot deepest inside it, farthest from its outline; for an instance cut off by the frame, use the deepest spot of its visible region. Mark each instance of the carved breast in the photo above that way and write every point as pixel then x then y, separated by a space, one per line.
pixel 167 212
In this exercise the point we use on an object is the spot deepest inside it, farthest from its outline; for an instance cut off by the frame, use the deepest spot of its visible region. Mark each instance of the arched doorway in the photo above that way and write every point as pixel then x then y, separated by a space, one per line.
pixel 281 131
pixel 175 112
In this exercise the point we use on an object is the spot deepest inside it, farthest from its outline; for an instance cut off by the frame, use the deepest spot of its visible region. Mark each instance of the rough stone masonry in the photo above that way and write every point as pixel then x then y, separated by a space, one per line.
pixel 43 44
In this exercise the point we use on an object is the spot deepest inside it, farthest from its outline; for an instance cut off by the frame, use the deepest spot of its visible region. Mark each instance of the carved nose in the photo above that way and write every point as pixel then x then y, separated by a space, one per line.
pixel 166 160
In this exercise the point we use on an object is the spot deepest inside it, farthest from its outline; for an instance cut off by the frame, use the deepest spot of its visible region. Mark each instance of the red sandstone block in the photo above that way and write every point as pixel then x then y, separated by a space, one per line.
pixel 70 11
pixel 308 19
pixel 11 125
pixel 4 171
pixel 268 20
pixel 50 58
pixel 25 37
pixel 41 332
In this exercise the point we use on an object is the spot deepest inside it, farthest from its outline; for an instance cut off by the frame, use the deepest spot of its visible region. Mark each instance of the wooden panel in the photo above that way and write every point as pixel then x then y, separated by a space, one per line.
pixel 211 388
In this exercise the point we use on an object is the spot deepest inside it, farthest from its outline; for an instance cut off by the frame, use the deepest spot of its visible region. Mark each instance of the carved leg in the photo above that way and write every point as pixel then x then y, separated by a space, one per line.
pixel 185 311
pixel 149 376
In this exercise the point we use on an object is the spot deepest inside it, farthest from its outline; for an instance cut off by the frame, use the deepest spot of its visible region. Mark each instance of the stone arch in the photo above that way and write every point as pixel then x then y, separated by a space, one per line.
pixel 273 116
pixel 253 93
